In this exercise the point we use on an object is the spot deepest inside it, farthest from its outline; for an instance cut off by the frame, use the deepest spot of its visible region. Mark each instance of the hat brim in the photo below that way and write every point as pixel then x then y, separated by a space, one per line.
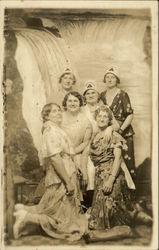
pixel 112 74
pixel 90 89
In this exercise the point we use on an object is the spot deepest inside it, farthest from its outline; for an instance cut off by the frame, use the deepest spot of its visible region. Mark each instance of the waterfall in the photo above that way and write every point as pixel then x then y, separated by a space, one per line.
pixel 40 60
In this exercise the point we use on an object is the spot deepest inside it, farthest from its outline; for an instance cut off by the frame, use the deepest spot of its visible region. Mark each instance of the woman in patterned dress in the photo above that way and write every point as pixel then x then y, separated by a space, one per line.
pixel 92 103
pixel 112 205
pixel 119 102
pixel 58 212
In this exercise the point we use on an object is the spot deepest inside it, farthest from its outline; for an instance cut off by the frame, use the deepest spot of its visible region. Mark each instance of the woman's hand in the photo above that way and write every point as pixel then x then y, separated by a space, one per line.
pixel 70 189
pixel 108 133
pixel 108 185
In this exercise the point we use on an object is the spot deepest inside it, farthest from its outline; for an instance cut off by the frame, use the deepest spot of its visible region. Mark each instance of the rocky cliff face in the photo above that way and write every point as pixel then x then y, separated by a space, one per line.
pixel 21 155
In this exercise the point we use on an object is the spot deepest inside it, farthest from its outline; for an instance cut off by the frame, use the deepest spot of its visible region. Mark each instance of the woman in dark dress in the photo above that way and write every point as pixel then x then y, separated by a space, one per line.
pixel 119 102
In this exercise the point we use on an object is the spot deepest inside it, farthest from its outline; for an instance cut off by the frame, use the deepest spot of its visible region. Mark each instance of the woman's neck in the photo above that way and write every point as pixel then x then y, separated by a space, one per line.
pixel 72 114
pixel 65 91
pixel 103 128
pixel 113 89
pixel 53 123
pixel 92 106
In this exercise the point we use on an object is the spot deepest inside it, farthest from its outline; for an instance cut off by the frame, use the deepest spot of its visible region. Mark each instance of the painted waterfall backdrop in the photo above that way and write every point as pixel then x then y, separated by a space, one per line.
pixel 88 46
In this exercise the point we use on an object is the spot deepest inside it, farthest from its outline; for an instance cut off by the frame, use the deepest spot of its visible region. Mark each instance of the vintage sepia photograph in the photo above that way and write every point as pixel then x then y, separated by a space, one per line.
pixel 79 111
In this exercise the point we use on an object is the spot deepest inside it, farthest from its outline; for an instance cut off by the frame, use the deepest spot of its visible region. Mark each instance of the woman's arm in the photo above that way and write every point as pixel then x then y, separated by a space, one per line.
pixel 116 165
pixel 60 170
pixel 86 140
pixel 59 167
pixel 114 124
pixel 128 112
pixel 127 122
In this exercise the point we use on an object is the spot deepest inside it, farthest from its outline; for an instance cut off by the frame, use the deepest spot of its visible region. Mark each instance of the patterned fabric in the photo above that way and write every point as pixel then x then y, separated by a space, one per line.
pixel 121 108
pixel 90 167
pixel 112 209
pixel 55 141
pixel 58 214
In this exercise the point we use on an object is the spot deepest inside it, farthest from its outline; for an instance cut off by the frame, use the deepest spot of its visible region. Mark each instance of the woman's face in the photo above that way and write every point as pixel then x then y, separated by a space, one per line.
pixel 111 80
pixel 67 82
pixel 73 104
pixel 102 119
pixel 55 114
pixel 91 96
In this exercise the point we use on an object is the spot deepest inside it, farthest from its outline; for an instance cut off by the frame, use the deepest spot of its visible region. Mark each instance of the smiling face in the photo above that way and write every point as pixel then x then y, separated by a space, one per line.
pixel 102 119
pixel 55 114
pixel 72 104
pixel 111 80
pixel 91 96
pixel 67 81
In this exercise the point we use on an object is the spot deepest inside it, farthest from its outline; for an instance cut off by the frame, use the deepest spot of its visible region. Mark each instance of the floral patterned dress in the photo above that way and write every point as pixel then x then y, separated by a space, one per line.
pixel 108 210
pixel 59 214
pixel 121 108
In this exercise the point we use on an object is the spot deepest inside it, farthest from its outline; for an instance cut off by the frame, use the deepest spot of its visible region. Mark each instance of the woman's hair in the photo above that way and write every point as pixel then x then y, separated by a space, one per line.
pixel 118 80
pixel 75 94
pixel 46 111
pixel 105 109
pixel 67 73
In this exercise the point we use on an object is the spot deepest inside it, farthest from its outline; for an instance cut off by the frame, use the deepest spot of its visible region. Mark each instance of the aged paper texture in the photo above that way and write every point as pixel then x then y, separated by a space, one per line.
pixel 41 41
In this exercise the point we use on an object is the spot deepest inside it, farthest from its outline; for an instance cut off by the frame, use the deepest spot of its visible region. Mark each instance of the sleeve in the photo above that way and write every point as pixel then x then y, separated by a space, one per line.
pixel 118 141
pixel 52 142
pixel 127 105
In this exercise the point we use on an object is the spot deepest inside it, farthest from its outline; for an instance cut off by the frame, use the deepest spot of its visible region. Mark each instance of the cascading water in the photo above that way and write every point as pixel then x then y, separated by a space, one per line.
pixel 41 60
pixel 94 46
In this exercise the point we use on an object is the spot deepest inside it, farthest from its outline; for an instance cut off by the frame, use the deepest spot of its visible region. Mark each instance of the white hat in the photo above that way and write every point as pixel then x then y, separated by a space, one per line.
pixel 67 70
pixel 114 71
pixel 89 85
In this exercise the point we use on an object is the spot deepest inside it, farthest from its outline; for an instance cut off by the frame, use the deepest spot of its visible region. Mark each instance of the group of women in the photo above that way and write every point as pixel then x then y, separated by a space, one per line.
pixel 88 156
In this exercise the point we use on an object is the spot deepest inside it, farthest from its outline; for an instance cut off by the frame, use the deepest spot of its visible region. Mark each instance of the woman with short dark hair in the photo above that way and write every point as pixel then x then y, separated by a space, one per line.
pixel 79 130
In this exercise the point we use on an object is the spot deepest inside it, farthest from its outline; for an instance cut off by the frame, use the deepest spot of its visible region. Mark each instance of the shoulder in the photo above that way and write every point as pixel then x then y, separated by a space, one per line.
pixel 48 128
pixel 84 119
pixel 123 93
pixel 82 115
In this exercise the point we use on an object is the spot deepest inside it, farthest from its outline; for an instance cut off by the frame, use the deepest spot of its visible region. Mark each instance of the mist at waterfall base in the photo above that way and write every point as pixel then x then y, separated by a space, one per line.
pixel 90 48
